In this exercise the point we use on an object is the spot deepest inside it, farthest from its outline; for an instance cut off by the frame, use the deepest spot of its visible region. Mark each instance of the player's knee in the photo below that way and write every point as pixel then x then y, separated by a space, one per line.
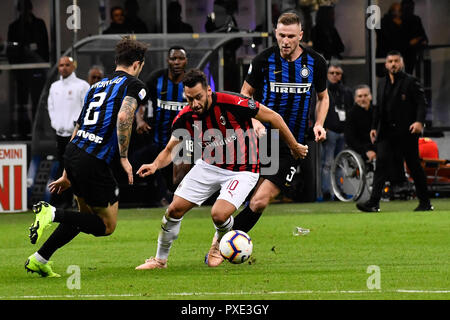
pixel 174 211
pixel 110 228
pixel 218 216
pixel 258 204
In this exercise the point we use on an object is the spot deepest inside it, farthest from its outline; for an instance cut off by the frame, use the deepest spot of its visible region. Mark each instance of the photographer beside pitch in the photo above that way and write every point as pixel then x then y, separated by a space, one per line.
pixel 235 176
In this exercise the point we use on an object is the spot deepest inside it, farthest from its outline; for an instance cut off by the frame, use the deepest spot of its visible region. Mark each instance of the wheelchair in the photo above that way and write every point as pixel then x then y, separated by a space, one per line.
pixel 351 176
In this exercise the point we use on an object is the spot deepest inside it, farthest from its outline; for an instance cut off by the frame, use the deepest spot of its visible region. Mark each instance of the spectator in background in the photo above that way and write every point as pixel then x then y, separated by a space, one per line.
pixel 341 100
pixel 401 31
pixel 134 23
pixel 95 74
pixel 167 100
pixel 27 43
pixel 359 123
pixel 397 123
pixel 324 35
pixel 174 22
pixel 118 25
pixel 222 20
pixel 391 35
pixel 65 101
pixel 415 35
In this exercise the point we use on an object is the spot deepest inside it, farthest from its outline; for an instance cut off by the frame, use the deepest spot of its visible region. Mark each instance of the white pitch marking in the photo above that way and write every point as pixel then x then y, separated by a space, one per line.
pixel 225 293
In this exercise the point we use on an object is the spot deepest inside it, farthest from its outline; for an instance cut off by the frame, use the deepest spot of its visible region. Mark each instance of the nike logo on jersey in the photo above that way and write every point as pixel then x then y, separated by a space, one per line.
pixel 163 92
pixel 277 71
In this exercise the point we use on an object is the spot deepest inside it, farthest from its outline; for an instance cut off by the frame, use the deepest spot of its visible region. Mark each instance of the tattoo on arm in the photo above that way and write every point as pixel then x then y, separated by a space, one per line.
pixel 125 123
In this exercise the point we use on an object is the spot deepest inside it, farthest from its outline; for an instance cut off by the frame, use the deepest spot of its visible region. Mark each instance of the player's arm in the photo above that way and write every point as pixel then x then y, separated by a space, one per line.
pixel 248 91
pixel 124 125
pixel 322 105
pixel 163 159
pixel 141 125
pixel 267 115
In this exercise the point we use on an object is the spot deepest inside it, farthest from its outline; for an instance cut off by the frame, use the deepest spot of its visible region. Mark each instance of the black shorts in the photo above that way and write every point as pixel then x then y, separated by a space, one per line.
pixel 91 178
pixel 287 170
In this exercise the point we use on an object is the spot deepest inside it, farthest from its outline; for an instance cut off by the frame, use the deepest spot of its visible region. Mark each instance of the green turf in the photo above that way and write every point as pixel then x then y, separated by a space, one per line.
pixel 410 248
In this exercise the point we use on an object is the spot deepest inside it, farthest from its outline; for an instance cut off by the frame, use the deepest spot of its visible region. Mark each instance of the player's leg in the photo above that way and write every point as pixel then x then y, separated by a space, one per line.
pixel 234 190
pixel 95 221
pixel 222 215
pixel 170 228
pixel 264 193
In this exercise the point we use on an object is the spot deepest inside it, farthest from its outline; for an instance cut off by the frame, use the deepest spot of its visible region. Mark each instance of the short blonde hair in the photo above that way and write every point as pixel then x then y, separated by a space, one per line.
pixel 289 18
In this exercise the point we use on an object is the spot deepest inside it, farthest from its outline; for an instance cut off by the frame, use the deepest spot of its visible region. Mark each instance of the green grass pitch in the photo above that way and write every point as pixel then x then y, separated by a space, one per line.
pixel 411 250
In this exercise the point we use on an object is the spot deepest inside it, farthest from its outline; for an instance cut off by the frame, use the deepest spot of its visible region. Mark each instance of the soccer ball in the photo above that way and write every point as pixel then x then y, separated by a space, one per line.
pixel 236 246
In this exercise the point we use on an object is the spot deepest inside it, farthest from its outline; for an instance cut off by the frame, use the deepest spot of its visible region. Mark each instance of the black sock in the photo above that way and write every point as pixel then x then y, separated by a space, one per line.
pixel 246 219
pixel 62 235
pixel 86 222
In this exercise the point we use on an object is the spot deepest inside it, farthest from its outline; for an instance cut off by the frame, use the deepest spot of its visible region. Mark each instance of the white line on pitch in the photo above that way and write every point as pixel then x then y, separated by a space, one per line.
pixel 223 293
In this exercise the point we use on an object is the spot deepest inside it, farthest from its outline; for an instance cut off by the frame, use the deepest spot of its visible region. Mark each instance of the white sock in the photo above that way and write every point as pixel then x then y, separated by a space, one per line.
pixel 170 228
pixel 40 258
pixel 222 229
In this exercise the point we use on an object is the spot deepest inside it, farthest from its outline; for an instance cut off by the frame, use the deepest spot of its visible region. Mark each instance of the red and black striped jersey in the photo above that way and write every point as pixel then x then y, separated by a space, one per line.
pixel 224 133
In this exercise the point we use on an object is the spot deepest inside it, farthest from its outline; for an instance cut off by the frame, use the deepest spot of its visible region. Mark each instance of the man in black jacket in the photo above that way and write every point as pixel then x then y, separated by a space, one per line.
pixel 341 100
pixel 397 123
pixel 359 123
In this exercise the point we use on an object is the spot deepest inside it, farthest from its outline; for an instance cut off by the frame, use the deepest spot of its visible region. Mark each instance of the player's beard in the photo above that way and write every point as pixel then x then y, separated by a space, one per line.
pixel 202 110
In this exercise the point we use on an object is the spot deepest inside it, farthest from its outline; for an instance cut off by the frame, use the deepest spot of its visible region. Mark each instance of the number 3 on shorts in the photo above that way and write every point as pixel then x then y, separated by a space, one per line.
pixel 290 176
pixel 91 116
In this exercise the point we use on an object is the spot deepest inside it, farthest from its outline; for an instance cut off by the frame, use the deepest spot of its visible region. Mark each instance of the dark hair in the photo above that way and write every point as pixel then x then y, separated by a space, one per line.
pixel 289 18
pixel 394 53
pixel 361 86
pixel 193 77
pixel 129 51
pixel 176 48
pixel 114 9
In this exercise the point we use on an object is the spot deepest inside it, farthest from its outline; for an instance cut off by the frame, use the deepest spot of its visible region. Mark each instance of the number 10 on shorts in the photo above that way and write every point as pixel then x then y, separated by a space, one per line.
pixel 232 185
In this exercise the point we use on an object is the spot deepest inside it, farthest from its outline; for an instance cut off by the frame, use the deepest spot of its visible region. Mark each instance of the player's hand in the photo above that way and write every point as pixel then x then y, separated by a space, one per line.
pixel 59 185
pixel 259 128
pixel 142 127
pixel 320 133
pixel 128 169
pixel 300 151
pixel 416 127
pixel 146 170
pixel 373 135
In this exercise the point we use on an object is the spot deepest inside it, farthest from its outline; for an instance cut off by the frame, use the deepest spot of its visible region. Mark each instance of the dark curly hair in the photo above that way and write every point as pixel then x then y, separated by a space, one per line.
pixel 129 51
pixel 193 77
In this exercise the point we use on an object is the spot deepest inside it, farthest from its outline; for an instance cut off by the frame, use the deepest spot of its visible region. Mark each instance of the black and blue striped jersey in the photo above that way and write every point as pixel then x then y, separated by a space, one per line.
pixel 97 132
pixel 288 87
pixel 167 99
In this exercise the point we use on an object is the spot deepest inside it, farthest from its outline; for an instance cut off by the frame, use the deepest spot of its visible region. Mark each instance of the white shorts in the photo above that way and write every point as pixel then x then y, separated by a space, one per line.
pixel 205 179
